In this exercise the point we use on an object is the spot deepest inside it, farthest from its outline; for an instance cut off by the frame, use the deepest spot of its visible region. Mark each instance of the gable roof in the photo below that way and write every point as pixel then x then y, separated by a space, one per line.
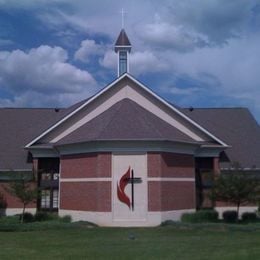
pixel 125 120
pixel 143 88
pixel 237 127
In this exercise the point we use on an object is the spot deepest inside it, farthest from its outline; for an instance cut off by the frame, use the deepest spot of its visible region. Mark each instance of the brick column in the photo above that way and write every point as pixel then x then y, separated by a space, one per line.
pixel 216 167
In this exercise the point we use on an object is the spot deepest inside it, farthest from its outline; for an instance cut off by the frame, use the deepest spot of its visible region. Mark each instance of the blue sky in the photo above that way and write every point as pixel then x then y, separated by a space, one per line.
pixel 199 53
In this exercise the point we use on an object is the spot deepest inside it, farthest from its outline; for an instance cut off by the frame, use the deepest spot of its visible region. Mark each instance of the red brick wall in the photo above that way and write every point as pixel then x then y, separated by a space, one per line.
pixel 12 201
pixel 177 165
pixel 88 196
pixel 86 165
pixel 171 195
pixel 91 195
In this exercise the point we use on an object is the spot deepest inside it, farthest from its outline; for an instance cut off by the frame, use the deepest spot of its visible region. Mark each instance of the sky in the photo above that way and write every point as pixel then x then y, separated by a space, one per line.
pixel 193 53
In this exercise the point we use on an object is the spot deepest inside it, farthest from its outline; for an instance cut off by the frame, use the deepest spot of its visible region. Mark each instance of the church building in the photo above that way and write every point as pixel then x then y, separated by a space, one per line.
pixel 125 156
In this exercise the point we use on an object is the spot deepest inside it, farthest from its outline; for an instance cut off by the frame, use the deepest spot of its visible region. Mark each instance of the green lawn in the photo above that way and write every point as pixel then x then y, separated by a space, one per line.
pixel 216 241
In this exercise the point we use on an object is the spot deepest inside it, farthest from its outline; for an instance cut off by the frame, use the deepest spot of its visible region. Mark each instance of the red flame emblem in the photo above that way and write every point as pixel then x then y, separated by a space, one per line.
pixel 121 188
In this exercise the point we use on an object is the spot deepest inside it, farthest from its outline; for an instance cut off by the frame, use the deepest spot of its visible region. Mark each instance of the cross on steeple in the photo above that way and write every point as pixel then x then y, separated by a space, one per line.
pixel 123 17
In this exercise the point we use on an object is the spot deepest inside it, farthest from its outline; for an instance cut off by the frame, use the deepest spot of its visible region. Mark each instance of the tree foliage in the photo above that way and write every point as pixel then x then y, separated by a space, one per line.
pixel 24 190
pixel 236 187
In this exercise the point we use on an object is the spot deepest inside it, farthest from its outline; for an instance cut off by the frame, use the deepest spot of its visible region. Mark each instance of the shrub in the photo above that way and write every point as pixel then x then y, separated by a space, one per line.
pixel 45 216
pixel 66 219
pixel 249 216
pixel 27 217
pixel 200 216
pixel 230 216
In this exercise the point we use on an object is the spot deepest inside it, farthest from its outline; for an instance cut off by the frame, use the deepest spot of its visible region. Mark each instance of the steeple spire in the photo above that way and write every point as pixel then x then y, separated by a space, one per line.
pixel 123 48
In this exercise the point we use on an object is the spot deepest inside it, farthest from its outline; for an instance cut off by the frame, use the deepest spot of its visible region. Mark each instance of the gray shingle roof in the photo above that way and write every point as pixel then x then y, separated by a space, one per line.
pixel 235 126
pixel 18 127
pixel 126 120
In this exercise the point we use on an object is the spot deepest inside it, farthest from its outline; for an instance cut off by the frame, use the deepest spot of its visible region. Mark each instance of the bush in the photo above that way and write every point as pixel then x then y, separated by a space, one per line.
pixel 230 216
pixel 27 217
pixel 249 216
pixel 45 216
pixel 66 219
pixel 200 216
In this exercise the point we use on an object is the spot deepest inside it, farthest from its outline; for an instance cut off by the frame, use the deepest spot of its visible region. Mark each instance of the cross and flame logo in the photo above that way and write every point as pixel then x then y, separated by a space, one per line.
pixel 121 188
pixel 128 177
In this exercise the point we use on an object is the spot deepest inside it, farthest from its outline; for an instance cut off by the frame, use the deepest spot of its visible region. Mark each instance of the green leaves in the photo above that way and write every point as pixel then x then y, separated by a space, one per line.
pixel 237 187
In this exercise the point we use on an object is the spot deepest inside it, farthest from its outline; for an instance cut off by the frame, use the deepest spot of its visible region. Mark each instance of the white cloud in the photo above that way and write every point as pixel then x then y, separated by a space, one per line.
pixel 87 49
pixel 145 62
pixel 42 71
pixel 109 60
pixel 162 35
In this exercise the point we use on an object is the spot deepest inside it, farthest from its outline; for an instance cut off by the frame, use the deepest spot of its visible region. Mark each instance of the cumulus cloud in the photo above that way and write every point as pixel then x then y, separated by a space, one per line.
pixel 109 60
pixel 162 35
pixel 145 62
pixel 89 48
pixel 42 71
pixel 219 20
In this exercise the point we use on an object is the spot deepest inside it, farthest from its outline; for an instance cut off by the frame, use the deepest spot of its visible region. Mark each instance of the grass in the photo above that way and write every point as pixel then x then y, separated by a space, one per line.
pixel 175 241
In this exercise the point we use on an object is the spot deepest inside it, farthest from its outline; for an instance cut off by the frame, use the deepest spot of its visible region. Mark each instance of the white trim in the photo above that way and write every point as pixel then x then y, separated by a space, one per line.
pixel 154 218
pixel 174 179
pixel 76 110
pixel 242 209
pixel 15 211
pixel 178 112
pixel 131 93
pixel 143 87
pixel 85 179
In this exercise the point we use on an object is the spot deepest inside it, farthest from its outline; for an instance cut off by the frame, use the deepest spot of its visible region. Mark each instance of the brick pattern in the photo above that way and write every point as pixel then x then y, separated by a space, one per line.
pixel 170 195
pixel 91 165
pixel 170 165
pixel 166 196
pixel 88 196
pixel 154 164
pixel 177 165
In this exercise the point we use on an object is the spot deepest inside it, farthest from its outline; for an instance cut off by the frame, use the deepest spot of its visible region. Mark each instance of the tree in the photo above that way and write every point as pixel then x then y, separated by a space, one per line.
pixel 24 190
pixel 236 187
pixel 3 205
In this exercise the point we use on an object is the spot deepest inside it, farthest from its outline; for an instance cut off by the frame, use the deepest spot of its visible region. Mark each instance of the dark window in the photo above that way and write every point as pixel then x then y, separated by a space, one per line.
pixel 122 62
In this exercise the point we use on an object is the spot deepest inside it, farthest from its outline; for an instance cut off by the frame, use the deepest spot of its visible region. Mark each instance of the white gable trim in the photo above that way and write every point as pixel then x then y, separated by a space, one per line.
pixel 75 111
pixel 186 130
pixel 178 112
pixel 130 93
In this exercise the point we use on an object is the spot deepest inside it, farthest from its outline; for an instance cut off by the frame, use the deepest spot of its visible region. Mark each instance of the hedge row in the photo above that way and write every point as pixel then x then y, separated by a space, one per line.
pixel 229 216
pixel 200 216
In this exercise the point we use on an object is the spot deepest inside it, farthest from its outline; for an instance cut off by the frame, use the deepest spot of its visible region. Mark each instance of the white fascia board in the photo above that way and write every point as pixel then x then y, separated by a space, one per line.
pixel 76 110
pixel 178 112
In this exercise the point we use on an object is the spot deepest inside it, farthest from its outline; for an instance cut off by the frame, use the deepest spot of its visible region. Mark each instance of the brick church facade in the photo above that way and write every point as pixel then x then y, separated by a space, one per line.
pixel 124 157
